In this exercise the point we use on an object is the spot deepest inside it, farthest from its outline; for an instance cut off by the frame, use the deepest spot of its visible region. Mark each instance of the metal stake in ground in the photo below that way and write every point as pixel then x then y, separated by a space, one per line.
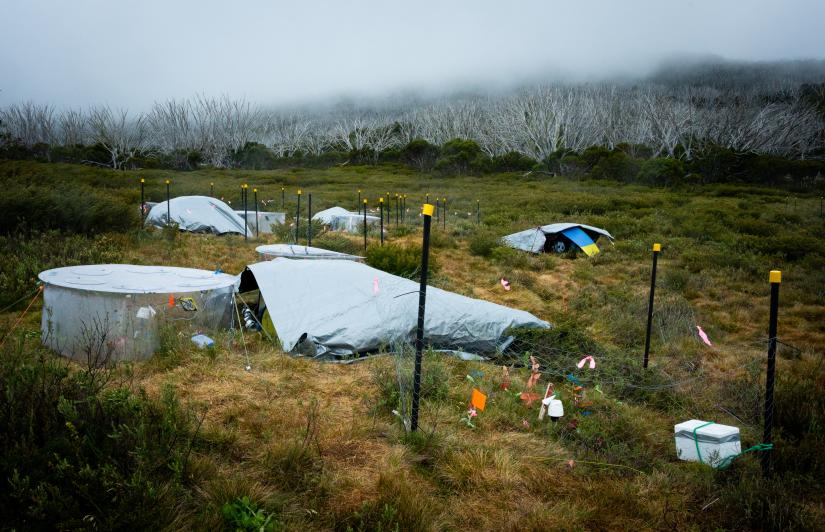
pixel 478 212
pixel 298 216
pixel 656 249
pixel 775 279
pixel 365 224
pixel 396 210
pixel 142 203
pixel 244 193
pixel 427 211
pixel 283 199
pixel 168 205
pixel 381 210
pixel 444 206
pixel 309 219
pixel 257 219
pixel 358 205
pixel 389 210
pixel 437 209
pixel 212 190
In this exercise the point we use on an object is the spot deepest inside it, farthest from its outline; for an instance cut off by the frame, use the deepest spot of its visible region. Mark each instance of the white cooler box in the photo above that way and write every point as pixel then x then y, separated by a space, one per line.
pixel 716 442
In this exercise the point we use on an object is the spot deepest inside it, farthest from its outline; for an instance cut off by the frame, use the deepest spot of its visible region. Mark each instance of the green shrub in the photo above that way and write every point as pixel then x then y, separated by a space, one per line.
pixel 24 256
pixel 340 243
pixel 420 154
pixel 77 451
pixel 508 257
pixel 661 171
pixel 461 156
pixel 483 243
pixel 396 259
pixel 71 207
pixel 617 165
pixel 512 161
pixel 242 515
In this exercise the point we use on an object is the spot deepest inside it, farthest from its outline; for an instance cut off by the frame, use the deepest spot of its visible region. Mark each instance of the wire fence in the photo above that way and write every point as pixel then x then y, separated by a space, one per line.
pixel 681 388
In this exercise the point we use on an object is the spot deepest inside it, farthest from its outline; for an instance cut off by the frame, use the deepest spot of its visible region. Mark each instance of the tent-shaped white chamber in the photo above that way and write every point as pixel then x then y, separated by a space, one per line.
pixel 334 308
pixel 118 311
pixel 198 214
pixel 340 219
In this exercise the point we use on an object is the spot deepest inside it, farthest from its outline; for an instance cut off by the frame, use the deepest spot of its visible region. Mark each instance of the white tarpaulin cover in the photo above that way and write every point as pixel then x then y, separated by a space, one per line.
pixel 338 307
pixel 198 214
pixel 121 307
pixel 340 219
pixel 533 239
pixel 295 251
pixel 264 221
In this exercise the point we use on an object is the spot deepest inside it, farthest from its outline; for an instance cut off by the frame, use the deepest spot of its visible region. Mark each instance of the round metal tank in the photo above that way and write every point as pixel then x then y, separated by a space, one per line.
pixel 111 312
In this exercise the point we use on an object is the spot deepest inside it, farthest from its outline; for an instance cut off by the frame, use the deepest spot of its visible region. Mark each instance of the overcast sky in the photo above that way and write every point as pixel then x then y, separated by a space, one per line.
pixel 133 52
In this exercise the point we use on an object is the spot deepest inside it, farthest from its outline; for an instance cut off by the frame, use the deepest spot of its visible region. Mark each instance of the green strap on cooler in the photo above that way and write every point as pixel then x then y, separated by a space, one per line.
pixel 726 462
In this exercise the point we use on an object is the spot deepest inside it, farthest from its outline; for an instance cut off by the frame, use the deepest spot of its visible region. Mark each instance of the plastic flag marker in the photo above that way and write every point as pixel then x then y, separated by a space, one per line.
pixel 478 399
pixel 703 335
pixel 585 359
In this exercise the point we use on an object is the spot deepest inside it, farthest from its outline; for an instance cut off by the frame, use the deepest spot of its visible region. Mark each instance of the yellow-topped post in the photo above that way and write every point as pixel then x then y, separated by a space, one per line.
pixel 657 248
pixel 365 224
pixel 257 221
pixel 142 202
pixel 298 216
pixel 168 205
pixel 245 201
pixel 381 213
pixel 427 211
pixel 444 207
pixel 775 279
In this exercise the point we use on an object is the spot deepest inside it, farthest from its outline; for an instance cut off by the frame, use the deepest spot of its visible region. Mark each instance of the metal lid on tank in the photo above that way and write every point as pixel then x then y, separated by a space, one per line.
pixel 295 251
pixel 134 279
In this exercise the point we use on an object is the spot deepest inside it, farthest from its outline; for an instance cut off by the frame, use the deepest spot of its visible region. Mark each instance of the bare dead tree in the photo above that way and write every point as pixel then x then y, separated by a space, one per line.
pixel 119 135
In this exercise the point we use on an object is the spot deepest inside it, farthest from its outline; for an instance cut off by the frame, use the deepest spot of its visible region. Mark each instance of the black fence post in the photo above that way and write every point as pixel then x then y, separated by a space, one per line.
pixel 478 212
pixel 212 190
pixel 283 199
pixel 365 224
pixel 298 216
pixel 309 219
pixel 358 205
pixel 775 279
pixel 142 203
pixel 389 210
pixel 168 204
pixel 656 249
pixel 437 209
pixel 244 194
pixel 427 211
pixel 257 216
pixel 381 210
pixel 444 206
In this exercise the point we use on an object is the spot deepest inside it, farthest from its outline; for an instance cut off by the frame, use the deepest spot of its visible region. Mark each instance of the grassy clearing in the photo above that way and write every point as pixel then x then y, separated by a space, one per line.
pixel 300 445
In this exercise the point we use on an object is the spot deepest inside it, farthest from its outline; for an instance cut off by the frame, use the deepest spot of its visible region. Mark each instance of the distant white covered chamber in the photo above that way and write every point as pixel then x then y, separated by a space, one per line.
pixel 198 214
pixel 118 311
